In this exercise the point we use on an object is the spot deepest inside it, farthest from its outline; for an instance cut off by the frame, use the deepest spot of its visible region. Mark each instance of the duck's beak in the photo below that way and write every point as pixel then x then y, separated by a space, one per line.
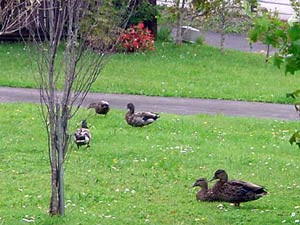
pixel 195 184
pixel 212 179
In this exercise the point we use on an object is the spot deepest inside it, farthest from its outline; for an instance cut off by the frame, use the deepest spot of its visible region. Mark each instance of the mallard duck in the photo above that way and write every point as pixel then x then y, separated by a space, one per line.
pixel 235 191
pixel 82 136
pixel 101 107
pixel 204 194
pixel 139 119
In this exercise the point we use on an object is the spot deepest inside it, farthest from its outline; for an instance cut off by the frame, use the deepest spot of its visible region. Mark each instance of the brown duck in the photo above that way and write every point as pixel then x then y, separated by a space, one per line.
pixel 101 107
pixel 139 119
pixel 204 194
pixel 82 136
pixel 235 191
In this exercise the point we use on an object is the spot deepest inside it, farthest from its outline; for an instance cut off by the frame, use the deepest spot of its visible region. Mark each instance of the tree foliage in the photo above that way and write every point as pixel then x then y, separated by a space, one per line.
pixel 286 38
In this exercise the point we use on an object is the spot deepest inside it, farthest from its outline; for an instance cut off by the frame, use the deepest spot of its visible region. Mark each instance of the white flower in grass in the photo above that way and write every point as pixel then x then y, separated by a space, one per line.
pixel 297 221
pixel 283 221
pixel 293 214
pixel 27 220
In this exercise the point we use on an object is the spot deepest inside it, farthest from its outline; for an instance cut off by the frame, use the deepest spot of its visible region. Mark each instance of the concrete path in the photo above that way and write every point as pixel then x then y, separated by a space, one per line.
pixel 181 106
pixel 238 42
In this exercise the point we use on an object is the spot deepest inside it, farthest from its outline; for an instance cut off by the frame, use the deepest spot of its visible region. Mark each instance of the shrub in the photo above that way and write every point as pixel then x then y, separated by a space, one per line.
pixel 136 38
pixel 164 33
pixel 200 40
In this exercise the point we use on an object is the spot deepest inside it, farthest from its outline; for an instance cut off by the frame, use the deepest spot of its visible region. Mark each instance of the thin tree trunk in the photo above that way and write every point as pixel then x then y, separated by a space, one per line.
pixel 54 205
pixel 222 16
pixel 178 38
pixel 152 25
pixel 61 193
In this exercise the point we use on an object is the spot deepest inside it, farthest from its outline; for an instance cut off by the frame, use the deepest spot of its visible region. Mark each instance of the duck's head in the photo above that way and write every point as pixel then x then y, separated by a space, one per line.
pixel 84 124
pixel 220 175
pixel 201 182
pixel 130 106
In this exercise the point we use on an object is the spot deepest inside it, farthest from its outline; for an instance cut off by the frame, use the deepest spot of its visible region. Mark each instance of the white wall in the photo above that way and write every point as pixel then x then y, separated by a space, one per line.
pixel 283 7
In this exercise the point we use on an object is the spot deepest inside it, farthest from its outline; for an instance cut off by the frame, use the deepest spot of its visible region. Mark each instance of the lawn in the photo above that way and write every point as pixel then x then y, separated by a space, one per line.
pixel 183 71
pixel 144 175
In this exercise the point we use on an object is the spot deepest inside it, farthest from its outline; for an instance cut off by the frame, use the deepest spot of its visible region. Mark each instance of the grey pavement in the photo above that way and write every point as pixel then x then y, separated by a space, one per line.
pixel 181 106
pixel 236 41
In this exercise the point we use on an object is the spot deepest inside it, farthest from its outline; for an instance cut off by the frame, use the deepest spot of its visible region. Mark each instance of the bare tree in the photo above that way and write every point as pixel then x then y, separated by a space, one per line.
pixel 223 10
pixel 180 6
pixel 58 42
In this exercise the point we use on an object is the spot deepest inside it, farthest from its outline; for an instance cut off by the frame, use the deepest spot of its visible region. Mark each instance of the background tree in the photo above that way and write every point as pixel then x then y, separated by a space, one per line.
pixel 59 44
pixel 223 10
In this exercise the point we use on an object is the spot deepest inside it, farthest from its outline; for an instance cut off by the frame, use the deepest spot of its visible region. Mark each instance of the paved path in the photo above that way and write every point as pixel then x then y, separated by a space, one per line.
pixel 235 41
pixel 182 106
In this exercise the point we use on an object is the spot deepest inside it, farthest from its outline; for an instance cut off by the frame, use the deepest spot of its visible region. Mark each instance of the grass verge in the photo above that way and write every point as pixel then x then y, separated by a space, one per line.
pixel 180 71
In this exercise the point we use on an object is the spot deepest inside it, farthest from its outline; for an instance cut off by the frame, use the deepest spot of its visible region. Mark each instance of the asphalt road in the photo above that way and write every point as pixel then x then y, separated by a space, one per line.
pixel 181 106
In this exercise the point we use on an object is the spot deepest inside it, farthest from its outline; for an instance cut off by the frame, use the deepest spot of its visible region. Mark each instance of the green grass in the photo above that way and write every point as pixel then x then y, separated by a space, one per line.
pixel 185 71
pixel 144 175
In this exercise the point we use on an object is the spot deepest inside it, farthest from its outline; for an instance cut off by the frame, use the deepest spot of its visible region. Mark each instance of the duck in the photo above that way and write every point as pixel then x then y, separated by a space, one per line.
pixel 82 136
pixel 139 119
pixel 101 107
pixel 204 194
pixel 235 191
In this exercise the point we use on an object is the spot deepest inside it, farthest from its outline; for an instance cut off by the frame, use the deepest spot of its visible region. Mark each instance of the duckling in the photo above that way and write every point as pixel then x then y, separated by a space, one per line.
pixel 139 119
pixel 235 191
pixel 83 135
pixel 204 194
pixel 101 107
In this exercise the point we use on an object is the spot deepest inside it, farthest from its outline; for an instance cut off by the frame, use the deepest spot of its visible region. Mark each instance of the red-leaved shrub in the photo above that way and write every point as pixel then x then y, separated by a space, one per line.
pixel 136 38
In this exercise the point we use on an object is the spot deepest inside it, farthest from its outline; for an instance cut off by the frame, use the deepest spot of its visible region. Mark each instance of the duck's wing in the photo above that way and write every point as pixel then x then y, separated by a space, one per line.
pixel 248 186
pixel 82 134
pixel 147 115
pixel 86 132
pixel 93 105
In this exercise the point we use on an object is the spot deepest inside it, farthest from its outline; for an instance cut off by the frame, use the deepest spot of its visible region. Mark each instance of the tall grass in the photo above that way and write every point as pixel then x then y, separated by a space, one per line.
pixel 183 71
pixel 144 175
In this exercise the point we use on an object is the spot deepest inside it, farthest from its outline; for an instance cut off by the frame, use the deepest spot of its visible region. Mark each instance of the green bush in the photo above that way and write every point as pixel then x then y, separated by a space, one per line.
pixel 164 33
pixel 200 40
